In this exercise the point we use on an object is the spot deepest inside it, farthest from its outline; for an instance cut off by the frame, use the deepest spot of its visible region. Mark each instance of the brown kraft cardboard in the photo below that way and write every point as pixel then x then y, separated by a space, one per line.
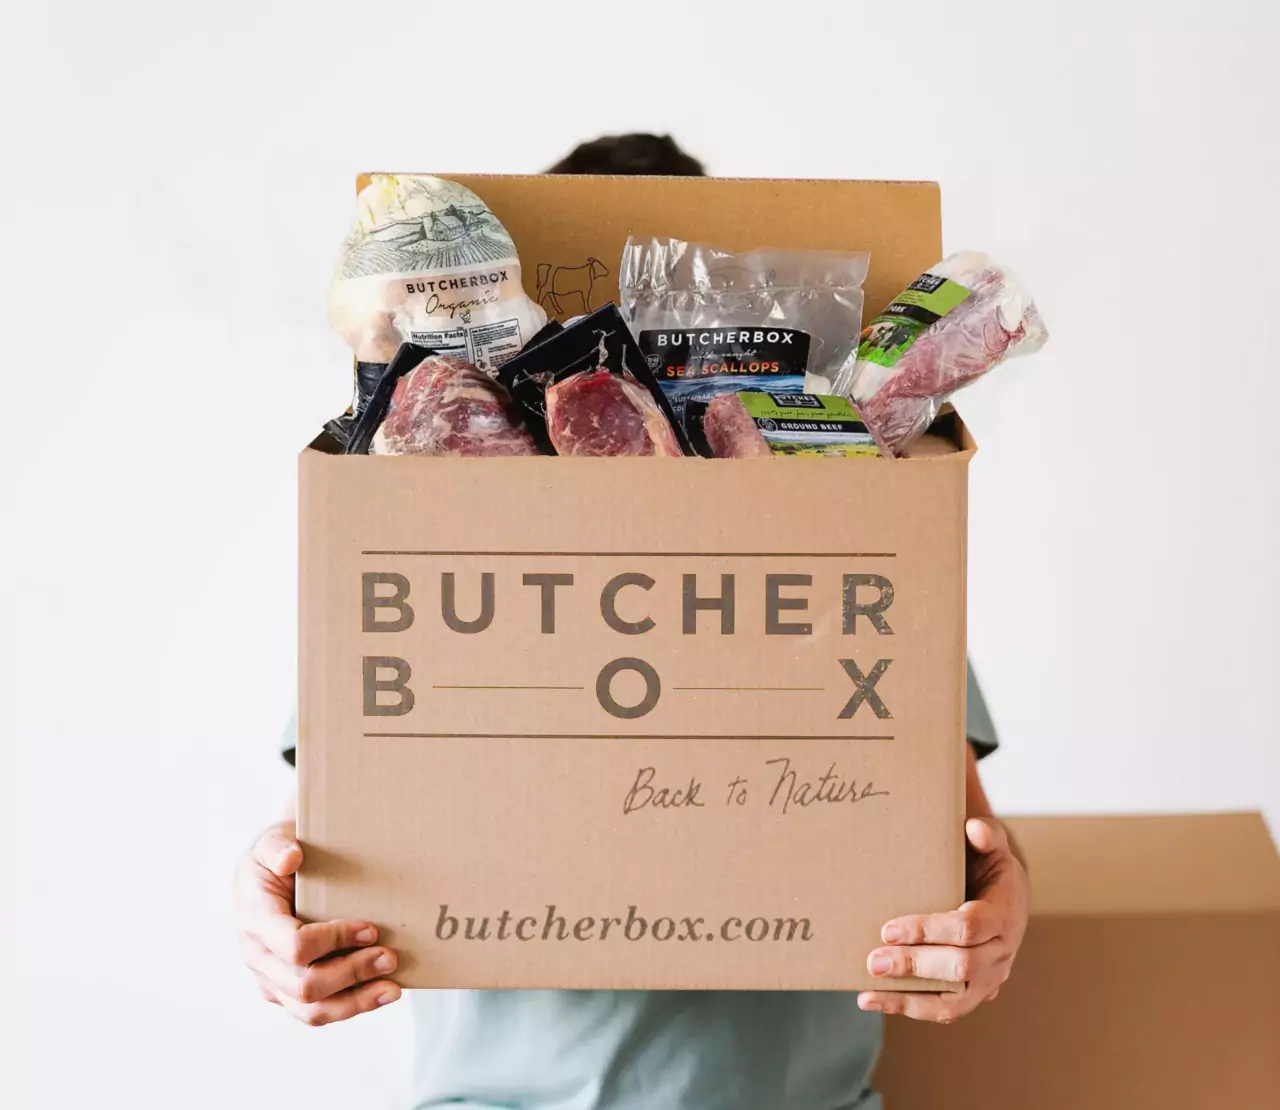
pixel 1149 976
pixel 640 723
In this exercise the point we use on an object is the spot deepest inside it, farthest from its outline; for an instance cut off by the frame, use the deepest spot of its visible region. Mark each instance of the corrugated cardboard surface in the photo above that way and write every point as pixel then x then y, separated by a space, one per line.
pixel 1220 862
pixel 1163 990
pixel 505 790
pixel 491 795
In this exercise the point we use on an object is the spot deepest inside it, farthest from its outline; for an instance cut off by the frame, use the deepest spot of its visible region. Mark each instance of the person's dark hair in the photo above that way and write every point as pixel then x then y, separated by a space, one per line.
pixel 632 155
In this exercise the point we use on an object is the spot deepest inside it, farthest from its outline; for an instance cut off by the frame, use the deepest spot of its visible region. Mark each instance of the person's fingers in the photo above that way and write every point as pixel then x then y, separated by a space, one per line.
pixel 326 978
pixel 300 944
pixel 357 1000
pixel 986 836
pixel 942 1008
pixel 264 881
pixel 949 963
pixel 259 893
pixel 278 850
pixel 972 924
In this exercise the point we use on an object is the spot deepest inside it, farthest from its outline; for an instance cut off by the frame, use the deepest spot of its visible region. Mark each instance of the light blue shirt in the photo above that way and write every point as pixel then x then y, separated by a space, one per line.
pixel 649 1050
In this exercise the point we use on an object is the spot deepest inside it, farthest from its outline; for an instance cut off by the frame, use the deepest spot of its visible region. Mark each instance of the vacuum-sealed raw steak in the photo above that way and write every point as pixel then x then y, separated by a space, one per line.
pixel 596 412
pixel 445 406
pixel 586 390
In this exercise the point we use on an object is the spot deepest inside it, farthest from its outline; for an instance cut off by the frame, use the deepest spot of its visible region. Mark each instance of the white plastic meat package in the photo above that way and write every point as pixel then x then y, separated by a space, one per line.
pixel 426 262
pixel 960 319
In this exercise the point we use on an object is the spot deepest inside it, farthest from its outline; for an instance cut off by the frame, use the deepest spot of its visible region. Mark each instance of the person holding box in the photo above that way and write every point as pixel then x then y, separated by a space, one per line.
pixel 625 1050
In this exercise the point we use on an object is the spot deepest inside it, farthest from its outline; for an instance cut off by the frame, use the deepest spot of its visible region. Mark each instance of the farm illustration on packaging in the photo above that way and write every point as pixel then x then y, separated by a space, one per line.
pixel 427 262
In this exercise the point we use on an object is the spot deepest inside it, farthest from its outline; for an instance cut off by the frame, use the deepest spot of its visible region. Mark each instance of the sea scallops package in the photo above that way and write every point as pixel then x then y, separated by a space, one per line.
pixel 713 321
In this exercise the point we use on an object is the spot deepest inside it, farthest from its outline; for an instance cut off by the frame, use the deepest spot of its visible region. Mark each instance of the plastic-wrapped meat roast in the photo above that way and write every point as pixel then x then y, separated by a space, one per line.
pixel 951 325
pixel 445 406
pixel 596 412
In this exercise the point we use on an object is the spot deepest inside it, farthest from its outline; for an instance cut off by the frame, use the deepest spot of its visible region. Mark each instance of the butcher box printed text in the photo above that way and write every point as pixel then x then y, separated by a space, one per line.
pixel 852 613
pixel 551 925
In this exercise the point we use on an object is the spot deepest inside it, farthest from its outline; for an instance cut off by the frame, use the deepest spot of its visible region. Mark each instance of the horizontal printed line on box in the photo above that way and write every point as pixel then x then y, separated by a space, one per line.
pixel 687 689
pixel 463 687
pixel 651 554
pixel 754 689
pixel 601 736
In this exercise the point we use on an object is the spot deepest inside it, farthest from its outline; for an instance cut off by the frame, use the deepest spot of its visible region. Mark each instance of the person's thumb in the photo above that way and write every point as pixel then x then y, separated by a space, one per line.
pixel 986 835
pixel 278 850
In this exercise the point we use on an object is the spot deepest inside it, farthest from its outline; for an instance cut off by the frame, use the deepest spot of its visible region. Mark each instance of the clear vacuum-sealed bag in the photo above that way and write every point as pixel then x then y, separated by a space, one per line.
pixel 709 321
pixel 950 326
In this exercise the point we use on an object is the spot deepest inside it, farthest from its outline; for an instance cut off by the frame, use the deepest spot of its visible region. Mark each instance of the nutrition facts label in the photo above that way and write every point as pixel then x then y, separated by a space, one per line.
pixel 496 343
pixel 487 346
pixel 450 342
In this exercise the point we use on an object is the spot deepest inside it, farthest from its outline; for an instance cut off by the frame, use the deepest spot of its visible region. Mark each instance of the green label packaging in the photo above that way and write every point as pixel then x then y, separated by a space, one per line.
pixel 809 424
pixel 918 307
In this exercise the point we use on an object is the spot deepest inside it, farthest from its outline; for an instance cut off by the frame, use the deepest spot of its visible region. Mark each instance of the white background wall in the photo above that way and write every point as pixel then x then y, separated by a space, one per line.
pixel 177 179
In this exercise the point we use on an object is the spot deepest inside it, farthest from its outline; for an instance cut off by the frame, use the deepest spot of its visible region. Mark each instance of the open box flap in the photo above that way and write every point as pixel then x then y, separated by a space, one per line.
pixel 562 224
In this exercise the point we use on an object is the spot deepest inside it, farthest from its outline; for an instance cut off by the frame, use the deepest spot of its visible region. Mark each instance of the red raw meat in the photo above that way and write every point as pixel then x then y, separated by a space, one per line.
pixel 445 406
pixel 599 413
pixel 730 432
pixel 998 320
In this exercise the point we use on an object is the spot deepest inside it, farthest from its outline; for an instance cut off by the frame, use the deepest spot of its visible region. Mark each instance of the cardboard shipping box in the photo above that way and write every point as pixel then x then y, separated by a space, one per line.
pixel 1150 976
pixel 640 723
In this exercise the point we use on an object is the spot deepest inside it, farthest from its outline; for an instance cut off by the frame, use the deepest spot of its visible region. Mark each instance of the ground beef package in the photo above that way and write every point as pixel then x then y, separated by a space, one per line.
pixel 757 425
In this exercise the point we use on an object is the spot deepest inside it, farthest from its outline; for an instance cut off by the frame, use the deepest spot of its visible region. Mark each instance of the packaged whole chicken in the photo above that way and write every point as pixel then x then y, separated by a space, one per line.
pixel 950 326
pixel 586 390
pixel 426 262
pixel 709 321
pixel 443 406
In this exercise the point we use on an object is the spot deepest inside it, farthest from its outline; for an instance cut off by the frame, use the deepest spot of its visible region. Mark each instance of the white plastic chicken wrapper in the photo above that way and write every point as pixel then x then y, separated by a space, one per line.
pixel 427 262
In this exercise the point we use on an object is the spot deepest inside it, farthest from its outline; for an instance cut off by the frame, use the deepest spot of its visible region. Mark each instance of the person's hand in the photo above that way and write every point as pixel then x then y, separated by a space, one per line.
pixel 322 972
pixel 973 946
